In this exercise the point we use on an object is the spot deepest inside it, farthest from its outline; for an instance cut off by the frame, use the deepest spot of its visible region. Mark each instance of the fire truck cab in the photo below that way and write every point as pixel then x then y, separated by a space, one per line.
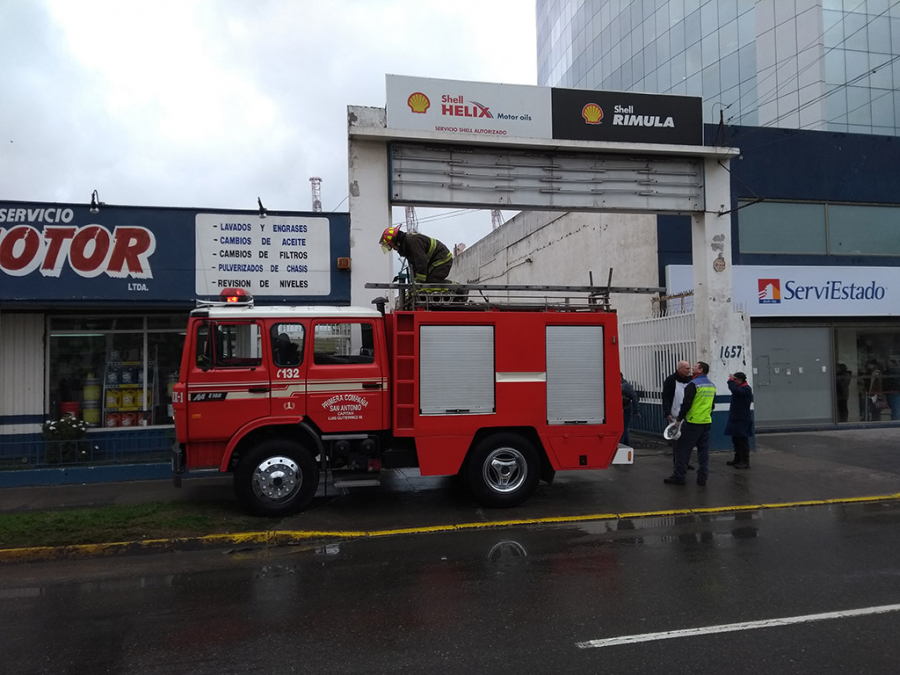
pixel 502 395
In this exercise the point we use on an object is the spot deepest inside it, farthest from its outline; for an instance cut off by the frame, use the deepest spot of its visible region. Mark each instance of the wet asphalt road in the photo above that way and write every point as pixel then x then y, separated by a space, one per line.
pixel 504 600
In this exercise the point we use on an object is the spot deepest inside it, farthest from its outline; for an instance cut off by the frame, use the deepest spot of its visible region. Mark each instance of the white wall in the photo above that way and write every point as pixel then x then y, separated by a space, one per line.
pixel 370 210
pixel 21 369
pixel 552 248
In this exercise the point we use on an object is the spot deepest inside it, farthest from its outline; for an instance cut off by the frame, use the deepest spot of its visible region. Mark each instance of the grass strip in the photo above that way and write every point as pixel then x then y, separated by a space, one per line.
pixel 154 520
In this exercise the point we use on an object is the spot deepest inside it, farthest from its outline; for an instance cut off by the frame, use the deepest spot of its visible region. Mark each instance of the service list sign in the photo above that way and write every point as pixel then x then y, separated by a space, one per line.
pixel 284 256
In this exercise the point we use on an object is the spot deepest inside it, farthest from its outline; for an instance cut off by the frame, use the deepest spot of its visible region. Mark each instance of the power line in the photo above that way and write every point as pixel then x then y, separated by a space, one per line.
pixel 762 100
pixel 834 90
pixel 887 92
pixel 753 132
pixel 441 216
pixel 776 65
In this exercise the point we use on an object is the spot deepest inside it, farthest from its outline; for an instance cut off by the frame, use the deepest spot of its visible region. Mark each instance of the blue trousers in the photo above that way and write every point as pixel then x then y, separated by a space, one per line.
pixel 692 435
pixel 627 414
pixel 893 400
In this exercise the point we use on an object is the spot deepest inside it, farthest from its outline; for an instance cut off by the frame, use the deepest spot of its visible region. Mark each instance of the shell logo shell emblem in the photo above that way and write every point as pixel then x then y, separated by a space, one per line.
pixel 592 113
pixel 418 103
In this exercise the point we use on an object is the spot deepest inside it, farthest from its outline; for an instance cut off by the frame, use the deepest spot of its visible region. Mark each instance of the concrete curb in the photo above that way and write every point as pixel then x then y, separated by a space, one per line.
pixel 272 538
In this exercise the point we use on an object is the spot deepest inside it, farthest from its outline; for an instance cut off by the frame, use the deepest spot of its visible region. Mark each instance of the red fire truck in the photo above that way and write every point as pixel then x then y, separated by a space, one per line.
pixel 502 393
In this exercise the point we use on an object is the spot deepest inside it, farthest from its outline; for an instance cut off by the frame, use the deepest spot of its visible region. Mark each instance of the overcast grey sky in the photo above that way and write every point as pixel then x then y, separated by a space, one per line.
pixel 211 103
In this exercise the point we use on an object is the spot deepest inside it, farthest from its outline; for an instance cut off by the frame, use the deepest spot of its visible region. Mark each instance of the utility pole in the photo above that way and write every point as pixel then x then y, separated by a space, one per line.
pixel 496 219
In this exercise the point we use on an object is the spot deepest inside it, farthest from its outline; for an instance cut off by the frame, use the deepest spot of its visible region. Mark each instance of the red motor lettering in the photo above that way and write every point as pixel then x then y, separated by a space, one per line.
pixel 92 238
pixel 55 238
pixel 90 251
pixel 26 259
pixel 133 247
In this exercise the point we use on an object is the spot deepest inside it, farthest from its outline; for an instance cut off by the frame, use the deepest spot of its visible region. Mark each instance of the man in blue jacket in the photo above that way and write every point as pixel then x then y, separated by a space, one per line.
pixel 695 419
pixel 740 420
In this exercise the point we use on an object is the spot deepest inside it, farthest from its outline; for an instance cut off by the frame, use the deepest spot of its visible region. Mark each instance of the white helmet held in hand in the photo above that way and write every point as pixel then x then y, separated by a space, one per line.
pixel 672 432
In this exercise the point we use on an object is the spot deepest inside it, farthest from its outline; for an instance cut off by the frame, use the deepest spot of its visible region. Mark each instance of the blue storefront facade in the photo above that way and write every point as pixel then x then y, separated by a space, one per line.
pixel 93 304
pixel 816 262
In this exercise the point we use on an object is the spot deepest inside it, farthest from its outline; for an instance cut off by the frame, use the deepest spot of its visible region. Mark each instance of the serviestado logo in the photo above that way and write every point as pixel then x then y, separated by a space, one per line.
pixel 770 291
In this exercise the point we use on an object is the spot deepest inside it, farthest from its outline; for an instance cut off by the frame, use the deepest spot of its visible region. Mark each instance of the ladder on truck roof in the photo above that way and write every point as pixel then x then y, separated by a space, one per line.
pixel 469 297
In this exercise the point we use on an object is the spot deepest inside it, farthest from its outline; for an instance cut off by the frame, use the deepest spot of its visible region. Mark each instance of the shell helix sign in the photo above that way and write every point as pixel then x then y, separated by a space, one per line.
pixel 418 102
pixel 452 107
pixel 455 107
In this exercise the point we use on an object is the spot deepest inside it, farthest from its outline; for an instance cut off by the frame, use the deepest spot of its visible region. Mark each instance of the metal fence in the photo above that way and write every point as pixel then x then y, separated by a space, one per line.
pixel 650 349
pixel 33 452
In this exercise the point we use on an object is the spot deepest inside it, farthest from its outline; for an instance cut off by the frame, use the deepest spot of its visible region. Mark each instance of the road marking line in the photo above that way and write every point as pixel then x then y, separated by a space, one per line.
pixel 731 627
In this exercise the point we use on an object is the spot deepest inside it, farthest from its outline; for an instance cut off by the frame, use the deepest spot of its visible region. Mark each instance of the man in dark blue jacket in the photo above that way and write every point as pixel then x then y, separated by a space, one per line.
pixel 740 420
pixel 630 401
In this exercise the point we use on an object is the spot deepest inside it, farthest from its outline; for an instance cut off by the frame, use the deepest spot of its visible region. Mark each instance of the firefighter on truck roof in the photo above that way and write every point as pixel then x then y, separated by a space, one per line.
pixel 429 260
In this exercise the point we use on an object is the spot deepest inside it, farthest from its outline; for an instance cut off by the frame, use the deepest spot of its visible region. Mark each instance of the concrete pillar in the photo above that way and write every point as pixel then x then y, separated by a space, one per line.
pixel 370 208
pixel 723 334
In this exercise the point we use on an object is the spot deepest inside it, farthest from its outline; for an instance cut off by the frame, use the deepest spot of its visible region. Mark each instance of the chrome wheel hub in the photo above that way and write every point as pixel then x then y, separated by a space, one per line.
pixel 505 470
pixel 277 479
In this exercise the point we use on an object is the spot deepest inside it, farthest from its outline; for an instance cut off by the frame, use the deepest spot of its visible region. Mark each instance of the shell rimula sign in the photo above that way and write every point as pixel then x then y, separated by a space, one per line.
pixel 592 113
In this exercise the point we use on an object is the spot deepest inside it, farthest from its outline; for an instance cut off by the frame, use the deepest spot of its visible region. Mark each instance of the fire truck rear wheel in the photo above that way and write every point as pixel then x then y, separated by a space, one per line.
pixel 276 478
pixel 503 470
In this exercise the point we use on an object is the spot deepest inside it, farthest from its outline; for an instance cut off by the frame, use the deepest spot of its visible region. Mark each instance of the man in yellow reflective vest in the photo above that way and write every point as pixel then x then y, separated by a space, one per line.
pixel 429 260
pixel 695 420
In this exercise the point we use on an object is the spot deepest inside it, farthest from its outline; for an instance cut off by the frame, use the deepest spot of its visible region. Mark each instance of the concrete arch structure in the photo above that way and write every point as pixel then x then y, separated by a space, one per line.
pixel 375 149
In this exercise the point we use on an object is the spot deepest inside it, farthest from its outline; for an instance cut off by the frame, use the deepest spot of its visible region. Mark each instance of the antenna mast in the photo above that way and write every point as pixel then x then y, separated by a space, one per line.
pixel 316 194
pixel 412 222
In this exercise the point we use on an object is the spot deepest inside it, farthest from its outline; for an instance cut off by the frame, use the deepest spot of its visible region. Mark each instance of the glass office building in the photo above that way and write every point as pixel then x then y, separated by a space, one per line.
pixel 829 65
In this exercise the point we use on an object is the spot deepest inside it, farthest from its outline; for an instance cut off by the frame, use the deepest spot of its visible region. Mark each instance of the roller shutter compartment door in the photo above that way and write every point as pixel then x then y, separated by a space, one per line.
pixel 575 370
pixel 456 370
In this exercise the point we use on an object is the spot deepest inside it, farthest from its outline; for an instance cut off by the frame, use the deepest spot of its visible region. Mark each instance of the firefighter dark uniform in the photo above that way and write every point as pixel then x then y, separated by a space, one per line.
pixel 429 260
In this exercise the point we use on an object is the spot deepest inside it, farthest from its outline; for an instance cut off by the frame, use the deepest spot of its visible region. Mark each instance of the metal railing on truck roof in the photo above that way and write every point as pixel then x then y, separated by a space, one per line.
pixel 473 297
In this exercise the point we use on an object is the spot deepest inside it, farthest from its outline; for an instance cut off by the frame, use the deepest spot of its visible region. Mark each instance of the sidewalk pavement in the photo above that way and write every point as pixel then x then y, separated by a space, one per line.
pixel 786 469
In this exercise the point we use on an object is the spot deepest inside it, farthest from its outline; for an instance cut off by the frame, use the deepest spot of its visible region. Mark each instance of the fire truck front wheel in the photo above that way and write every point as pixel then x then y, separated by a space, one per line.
pixel 503 470
pixel 276 478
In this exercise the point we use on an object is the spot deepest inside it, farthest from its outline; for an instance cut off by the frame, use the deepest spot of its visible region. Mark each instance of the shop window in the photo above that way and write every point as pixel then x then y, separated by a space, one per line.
pixel 773 227
pixel 867 374
pixel 287 344
pixel 99 323
pixel 111 371
pixel 343 343
pixel 863 230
